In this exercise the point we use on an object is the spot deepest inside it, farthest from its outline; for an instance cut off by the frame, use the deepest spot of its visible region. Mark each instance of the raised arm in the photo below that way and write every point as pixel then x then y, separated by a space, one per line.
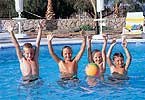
pixel 15 42
pixel 128 60
pixel 89 38
pixel 82 49
pixel 51 51
pixel 104 51
pixel 109 52
pixel 40 27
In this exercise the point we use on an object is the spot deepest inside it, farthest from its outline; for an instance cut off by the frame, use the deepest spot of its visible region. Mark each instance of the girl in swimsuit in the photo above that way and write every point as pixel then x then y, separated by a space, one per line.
pixel 98 57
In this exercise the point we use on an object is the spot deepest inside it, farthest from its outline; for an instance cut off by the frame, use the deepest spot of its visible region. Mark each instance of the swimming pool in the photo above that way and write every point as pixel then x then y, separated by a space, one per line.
pixel 48 89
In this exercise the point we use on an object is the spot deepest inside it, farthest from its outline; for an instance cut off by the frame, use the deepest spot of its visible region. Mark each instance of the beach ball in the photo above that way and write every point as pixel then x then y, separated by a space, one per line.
pixel 92 70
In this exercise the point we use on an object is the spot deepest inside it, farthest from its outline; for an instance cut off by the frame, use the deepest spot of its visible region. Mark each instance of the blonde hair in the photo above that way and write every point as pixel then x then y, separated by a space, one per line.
pixel 27 45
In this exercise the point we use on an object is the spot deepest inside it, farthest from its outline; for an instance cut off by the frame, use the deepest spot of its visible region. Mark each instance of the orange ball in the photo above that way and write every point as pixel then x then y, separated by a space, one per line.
pixel 92 70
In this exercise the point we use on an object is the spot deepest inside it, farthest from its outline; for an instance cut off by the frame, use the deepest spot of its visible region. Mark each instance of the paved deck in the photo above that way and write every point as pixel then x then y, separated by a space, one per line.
pixel 5 40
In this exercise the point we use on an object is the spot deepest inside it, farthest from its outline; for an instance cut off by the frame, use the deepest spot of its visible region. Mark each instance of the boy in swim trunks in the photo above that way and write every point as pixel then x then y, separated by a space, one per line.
pixel 28 59
pixel 68 67
pixel 98 57
pixel 117 67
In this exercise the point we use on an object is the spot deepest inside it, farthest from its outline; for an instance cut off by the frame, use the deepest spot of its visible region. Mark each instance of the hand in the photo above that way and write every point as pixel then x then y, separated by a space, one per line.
pixel 105 36
pixel 89 38
pixel 82 32
pixel 50 37
pixel 9 27
pixel 113 41
pixel 124 43
pixel 41 24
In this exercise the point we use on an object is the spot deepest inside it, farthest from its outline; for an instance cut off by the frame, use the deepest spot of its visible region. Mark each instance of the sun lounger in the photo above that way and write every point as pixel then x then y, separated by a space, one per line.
pixel 134 23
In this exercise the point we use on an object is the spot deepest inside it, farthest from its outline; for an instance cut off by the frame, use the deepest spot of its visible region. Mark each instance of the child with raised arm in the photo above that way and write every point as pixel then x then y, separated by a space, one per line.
pixel 68 67
pixel 98 57
pixel 28 58
pixel 117 66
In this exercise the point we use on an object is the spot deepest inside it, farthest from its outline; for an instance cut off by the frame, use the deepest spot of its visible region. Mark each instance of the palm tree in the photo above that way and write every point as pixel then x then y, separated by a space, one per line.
pixel 93 2
pixel 49 13
pixel 116 8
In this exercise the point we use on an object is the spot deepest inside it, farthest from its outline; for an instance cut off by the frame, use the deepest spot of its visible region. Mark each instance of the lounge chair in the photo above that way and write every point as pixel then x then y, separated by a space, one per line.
pixel 134 23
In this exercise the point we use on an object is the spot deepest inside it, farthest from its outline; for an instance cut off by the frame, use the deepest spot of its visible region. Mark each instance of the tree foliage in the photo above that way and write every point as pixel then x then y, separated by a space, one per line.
pixel 36 7
pixel 84 6
pixel 31 8
pixel 62 8
pixel 7 9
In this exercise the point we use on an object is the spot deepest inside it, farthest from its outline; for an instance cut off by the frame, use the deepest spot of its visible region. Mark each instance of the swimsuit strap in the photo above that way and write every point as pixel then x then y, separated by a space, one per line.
pixel 68 76
pixel 30 78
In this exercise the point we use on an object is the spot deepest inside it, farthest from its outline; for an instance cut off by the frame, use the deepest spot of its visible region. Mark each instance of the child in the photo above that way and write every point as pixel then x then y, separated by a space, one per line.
pixel 28 59
pixel 68 67
pixel 117 67
pixel 98 57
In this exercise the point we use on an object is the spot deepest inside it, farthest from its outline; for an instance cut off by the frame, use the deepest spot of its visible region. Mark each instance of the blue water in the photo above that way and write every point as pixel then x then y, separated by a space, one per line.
pixel 48 89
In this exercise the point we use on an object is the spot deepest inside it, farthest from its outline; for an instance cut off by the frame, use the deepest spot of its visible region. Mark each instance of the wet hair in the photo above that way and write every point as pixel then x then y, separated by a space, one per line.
pixel 94 51
pixel 68 47
pixel 27 45
pixel 118 54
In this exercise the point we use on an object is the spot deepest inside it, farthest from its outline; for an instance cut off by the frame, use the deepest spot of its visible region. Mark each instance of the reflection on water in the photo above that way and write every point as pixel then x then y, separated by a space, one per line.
pixel 81 90
pixel 138 43
pixel 31 91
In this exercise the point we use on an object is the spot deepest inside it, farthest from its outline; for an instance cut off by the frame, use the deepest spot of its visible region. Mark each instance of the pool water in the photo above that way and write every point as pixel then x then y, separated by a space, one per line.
pixel 48 89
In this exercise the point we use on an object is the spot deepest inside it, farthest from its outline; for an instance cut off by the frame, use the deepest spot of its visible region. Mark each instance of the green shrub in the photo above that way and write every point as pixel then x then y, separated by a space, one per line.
pixel 86 27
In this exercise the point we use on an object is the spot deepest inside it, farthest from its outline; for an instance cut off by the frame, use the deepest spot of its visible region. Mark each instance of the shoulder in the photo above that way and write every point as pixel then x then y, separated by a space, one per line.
pixel 60 62
pixel 112 67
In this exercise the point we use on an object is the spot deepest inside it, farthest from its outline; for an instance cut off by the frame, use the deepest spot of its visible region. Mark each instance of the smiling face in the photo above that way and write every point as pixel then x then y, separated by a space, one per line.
pixel 29 53
pixel 118 61
pixel 97 57
pixel 67 54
